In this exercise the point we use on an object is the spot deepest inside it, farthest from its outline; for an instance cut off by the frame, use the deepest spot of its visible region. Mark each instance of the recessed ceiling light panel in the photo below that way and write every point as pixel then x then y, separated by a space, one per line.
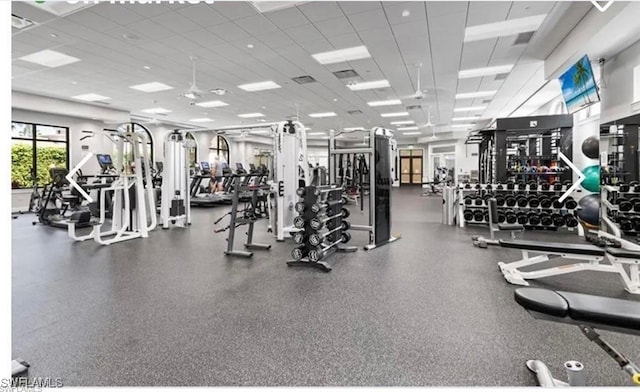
pixel 503 29
pixel 91 97
pixel 152 87
pixel 397 114
pixel 479 72
pixel 342 55
pixel 211 104
pixel 201 120
pixel 477 94
pixel 156 111
pixel 369 85
pixel 251 115
pixel 49 58
pixel 470 109
pixel 404 122
pixel 385 103
pixel 322 115
pixel 259 86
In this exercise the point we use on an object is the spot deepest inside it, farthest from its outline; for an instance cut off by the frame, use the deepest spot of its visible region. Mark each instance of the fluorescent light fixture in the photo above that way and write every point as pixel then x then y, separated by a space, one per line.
pixel 260 132
pixel 49 58
pixel 201 120
pixel 152 87
pixel 156 111
pixel 353 129
pixel 470 109
pixel 503 29
pixel 91 97
pixel 342 55
pixel 316 134
pixel 477 94
pixel 385 103
pixel 404 122
pixel 486 71
pixel 259 86
pixel 465 118
pixel 407 128
pixel 411 133
pixel 211 104
pixel 397 114
pixel 369 85
pixel 462 125
pixel 321 115
pixel 251 115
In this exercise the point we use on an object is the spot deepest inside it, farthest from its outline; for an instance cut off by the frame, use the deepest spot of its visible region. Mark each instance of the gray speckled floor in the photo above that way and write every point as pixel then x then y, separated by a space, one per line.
pixel 429 309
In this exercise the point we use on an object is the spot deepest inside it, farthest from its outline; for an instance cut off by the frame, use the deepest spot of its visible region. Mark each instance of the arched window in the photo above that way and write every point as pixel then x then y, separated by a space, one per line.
pixel 219 147
pixel 193 149
pixel 137 128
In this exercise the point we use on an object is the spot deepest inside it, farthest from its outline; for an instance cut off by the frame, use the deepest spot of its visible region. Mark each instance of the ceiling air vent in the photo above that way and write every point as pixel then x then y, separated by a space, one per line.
pixel 20 23
pixel 524 38
pixel 304 79
pixel 501 76
pixel 354 112
pixel 346 74
pixel 414 107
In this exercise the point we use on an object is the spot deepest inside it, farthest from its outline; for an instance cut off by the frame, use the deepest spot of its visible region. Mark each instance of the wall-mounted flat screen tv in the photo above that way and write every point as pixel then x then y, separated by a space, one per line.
pixel 579 87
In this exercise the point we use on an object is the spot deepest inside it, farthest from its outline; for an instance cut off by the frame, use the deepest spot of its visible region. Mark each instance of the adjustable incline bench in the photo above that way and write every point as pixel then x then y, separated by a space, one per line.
pixel 588 312
pixel 590 258
pixel 495 226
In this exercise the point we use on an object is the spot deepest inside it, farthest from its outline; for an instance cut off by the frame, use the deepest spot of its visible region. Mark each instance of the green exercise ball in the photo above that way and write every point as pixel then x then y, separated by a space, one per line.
pixel 592 178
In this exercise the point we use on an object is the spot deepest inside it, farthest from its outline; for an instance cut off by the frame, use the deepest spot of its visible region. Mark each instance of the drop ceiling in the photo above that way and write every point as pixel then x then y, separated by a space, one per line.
pixel 123 45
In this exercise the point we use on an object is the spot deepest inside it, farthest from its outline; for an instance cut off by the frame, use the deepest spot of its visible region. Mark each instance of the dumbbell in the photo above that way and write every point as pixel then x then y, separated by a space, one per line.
pixel 522 201
pixel 489 187
pixel 319 252
pixel 500 187
pixel 545 202
pixel 534 201
pixel 478 216
pixel 298 253
pixel 557 203
pixel 533 186
pixel 622 187
pixel 558 220
pixel 499 201
pixel 545 219
pixel 570 203
pixel 511 217
pixel 570 220
pixel 316 191
pixel 636 204
pixel 318 223
pixel 624 204
pixel 567 184
pixel 478 201
pixel 316 239
pixel 557 186
pixel 510 185
pixel 468 215
pixel 544 186
pixel 298 237
pixel 522 217
pixel 501 217
pixel 478 186
pixel 625 224
pixel 315 208
pixel 636 224
pixel 344 224
pixel 534 218
pixel 467 186
pixel 510 201
pixel 468 200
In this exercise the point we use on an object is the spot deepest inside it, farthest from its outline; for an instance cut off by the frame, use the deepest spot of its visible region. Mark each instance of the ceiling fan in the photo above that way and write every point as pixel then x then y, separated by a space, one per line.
pixel 194 93
pixel 429 123
pixel 419 93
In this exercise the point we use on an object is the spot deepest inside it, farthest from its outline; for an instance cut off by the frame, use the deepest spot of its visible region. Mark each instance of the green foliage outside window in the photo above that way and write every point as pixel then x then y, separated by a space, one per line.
pixel 22 162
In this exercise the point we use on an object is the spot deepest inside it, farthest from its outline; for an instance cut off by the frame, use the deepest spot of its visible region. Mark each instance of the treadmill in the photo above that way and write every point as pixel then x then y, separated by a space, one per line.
pixel 201 196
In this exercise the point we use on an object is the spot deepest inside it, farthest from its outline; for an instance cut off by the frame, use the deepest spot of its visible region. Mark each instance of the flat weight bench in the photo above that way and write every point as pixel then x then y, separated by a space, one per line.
pixel 588 312
pixel 495 226
pixel 591 259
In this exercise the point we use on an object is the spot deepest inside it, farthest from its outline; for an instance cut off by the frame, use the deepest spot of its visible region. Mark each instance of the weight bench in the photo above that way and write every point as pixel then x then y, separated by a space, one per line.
pixel 591 259
pixel 495 226
pixel 588 312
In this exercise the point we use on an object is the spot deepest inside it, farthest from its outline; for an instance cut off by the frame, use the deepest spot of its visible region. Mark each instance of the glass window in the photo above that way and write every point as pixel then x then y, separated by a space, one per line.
pixel 220 148
pixel 35 148
pixel 193 149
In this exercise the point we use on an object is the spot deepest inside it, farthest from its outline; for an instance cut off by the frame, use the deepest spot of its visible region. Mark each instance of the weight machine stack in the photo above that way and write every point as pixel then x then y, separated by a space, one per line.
pixel 318 208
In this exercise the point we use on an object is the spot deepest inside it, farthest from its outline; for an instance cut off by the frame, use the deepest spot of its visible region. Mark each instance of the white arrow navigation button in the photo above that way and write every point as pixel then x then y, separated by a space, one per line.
pixel 73 173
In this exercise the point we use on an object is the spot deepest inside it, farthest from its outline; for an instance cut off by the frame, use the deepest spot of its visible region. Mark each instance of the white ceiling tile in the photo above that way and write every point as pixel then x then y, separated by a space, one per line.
pixel 287 18
pixel 335 26
pixel 320 10
pixel 256 25
pixel 117 13
pixel 521 9
pixel 175 22
pixel 229 32
pixel 146 11
pixel 204 37
pixel 92 20
pixel 483 12
pixel 345 40
pixel 302 34
pixel 356 7
pixel 370 20
pixel 234 9
pixel 394 12
pixel 202 14
pixel 276 39
pixel 150 30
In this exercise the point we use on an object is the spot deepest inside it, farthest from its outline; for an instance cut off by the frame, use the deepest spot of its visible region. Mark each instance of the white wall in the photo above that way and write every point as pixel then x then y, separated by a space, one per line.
pixel 618 95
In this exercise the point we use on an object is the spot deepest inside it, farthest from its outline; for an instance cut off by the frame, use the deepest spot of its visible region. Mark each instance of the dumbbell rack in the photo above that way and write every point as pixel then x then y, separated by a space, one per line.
pixel 621 209
pixel 485 191
pixel 334 241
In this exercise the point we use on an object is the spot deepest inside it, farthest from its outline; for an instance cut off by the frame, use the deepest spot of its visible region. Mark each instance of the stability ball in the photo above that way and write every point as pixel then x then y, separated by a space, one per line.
pixel 589 212
pixel 591 147
pixel 592 178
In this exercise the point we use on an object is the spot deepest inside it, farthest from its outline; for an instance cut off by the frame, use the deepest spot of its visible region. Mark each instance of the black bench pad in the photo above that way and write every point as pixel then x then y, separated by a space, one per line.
pixel 510 226
pixel 555 247
pixel 582 308
pixel 625 253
